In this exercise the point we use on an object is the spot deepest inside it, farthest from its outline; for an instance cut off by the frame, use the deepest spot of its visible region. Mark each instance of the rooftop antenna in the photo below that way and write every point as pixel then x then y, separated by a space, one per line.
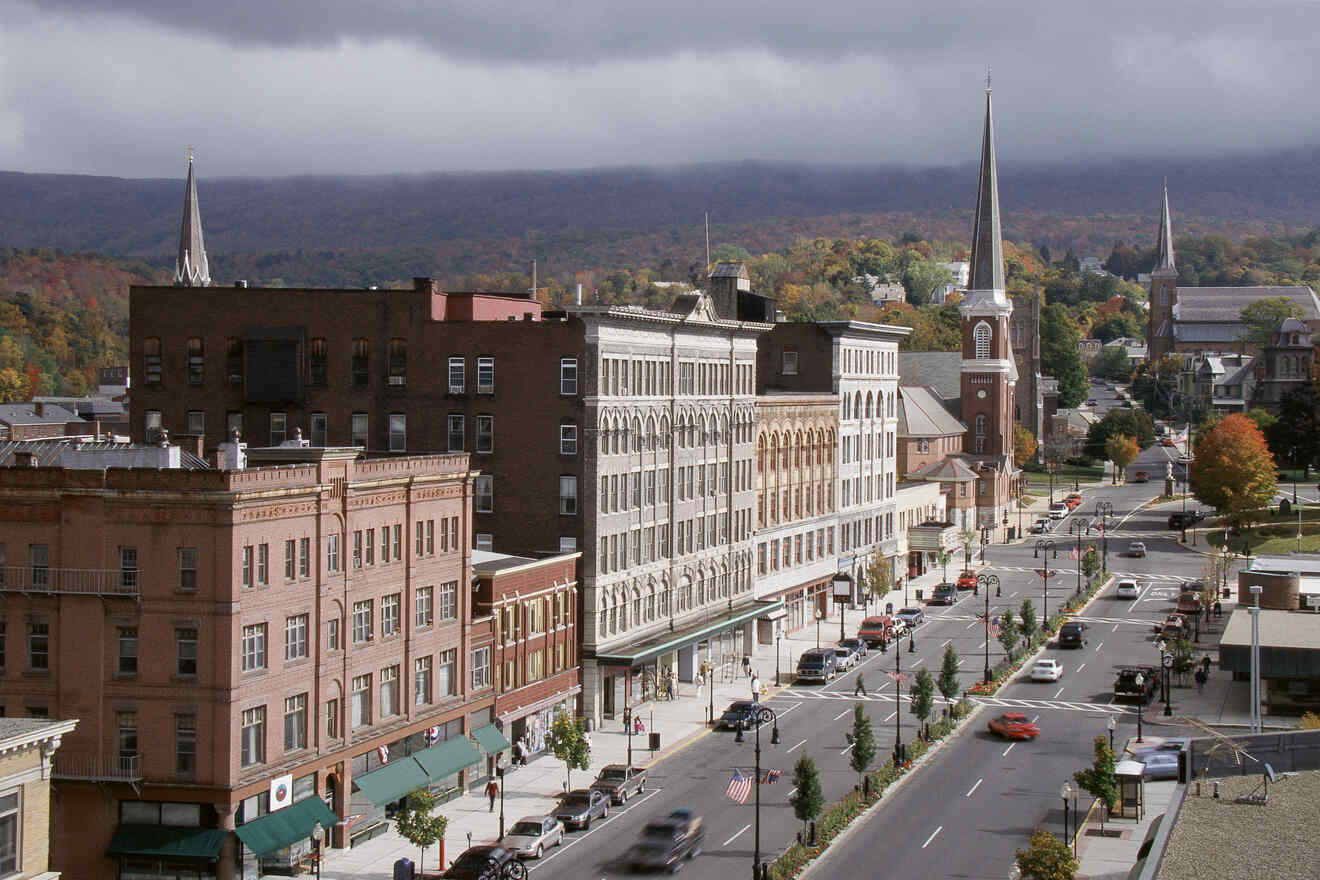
pixel 987 77
pixel 708 241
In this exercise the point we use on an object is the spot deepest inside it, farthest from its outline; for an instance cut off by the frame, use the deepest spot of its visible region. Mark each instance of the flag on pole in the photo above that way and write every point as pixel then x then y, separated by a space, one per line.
pixel 739 788
pixel 384 753
pixel 432 735
pixel 899 677
pixel 1072 554
pixel 772 776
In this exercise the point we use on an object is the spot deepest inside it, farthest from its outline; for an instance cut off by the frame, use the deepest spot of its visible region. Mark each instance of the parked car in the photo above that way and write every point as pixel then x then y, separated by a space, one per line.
pixel 844 659
pixel 1141 477
pixel 877 630
pixel 1126 687
pixel 1013 725
pixel 1126 590
pixel 1174 627
pixel 1041 526
pixel 817 664
pixel 1180 519
pixel 1160 763
pixel 1058 510
pixel 966 580
pixel 620 782
pixel 1072 634
pixel 529 838
pixel 945 594
pixel 911 616
pixel 666 844
pixel 580 806
pixel 1047 669
pixel 737 716
pixel 477 861
pixel 1137 549
pixel 857 645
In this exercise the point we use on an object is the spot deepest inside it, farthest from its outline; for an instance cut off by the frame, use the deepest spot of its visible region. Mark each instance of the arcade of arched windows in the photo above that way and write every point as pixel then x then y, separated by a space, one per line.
pixel 794 474
pixel 637 603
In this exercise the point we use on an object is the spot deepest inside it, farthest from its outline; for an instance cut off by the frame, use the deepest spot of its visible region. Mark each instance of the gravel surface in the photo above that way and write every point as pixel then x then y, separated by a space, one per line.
pixel 1222 839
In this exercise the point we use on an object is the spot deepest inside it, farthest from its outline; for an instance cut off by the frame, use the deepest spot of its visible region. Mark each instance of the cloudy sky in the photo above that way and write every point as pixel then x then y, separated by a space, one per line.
pixel 273 87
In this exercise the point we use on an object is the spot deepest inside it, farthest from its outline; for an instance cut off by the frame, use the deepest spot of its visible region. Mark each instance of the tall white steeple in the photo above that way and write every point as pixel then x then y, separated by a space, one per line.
pixel 191 268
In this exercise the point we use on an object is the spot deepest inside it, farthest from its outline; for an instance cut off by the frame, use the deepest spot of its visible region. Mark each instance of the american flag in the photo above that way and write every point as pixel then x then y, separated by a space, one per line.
pixel 740 787
pixel 432 735
pixel 994 624
pixel 772 776
pixel 1072 554
pixel 899 677
pixel 384 753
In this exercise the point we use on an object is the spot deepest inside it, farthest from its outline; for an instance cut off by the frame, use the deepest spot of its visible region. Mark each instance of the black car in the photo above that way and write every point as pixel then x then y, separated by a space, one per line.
pixel 1072 635
pixel 738 715
pixel 476 862
pixel 668 843
pixel 945 594
pixel 1180 519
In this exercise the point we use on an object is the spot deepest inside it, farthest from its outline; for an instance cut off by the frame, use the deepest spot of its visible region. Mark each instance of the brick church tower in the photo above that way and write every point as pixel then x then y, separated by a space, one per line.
pixel 1163 290
pixel 989 375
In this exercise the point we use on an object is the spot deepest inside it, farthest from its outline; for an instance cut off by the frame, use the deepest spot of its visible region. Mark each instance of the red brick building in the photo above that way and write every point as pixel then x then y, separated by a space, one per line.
pixel 235 642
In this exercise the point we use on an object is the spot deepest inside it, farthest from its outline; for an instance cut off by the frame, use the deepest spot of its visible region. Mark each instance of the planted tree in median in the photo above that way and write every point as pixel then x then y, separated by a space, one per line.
pixel 967 538
pixel 571 745
pixel 863 742
pixel 948 680
pixel 1090 562
pixel 1008 633
pixel 417 826
pixel 1099 780
pixel 808 800
pixel 1046 858
pixel 923 694
pixel 1028 614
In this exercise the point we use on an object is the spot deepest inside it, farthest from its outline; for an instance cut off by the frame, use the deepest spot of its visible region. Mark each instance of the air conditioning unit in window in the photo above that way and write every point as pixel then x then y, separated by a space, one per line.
pixel 398 380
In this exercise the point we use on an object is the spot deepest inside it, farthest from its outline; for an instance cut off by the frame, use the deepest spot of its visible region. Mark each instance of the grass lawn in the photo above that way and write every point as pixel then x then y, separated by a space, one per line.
pixel 1275 534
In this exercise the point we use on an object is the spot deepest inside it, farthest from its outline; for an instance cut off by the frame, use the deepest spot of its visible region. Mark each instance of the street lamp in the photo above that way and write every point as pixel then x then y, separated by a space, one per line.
pixel 760 715
pixel 898 706
pixel 627 723
pixel 1167 660
pixel 1047 546
pixel 1066 794
pixel 317 834
pixel 820 615
pixel 1113 722
pixel 499 771
pixel 985 580
pixel 1104 510
pixel 1141 701
pixel 779 635
pixel 1255 658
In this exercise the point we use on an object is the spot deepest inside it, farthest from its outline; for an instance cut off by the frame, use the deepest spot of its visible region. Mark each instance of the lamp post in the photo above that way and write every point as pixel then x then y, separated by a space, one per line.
pixel 317 834
pixel 499 771
pixel 1167 660
pixel 628 722
pixel 1112 724
pixel 986 580
pixel 820 615
pixel 898 705
pixel 1066 794
pixel 760 715
pixel 1104 510
pixel 778 637
pixel 842 590
pixel 1141 701
pixel 1081 524
pixel 1255 658
pixel 1047 546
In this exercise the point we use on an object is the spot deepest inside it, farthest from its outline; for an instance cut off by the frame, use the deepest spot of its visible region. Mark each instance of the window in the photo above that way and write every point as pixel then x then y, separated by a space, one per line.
pixel 196 363
pixel 568 439
pixel 421 681
pixel 38 646
pixel 398 432
pixel 128 651
pixel 185 745
pixel 568 495
pixel 126 724
pixel 128 570
pixel 317 362
pixel 39 562
pixel 371 546
pixel 485 493
pixel 362 621
pixel 417 539
pixel 360 350
pixel 483 541
pixel 289 556
pixel 982 430
pixel 457 375
pixel 331 553
pixel 295 637
pixel 185 652
pixel 295 723
pixel 151 361
pixel 449 600
pixel 320 423
pixel 389 691
pixel 568 376
pixel 430 536
pixel 304 556
pixel 485 434
pixel 233 424
pixel 263 564
pixel 254 647
pixel 398 365
pixel 332 719
pixel 790 362
pixel 422 610
pixel 397 531
pixel 485 375
pixel 234 360
pixel 536 665
pixel 278 425
pixel 445 682
pixel 389 616
pixel 358 430
pixel 151 425
pixel 567 544
pixel 480 668
pixel 196 421
pixel 456 432
pixel 981 336
pixel 361 708
pixel 253 737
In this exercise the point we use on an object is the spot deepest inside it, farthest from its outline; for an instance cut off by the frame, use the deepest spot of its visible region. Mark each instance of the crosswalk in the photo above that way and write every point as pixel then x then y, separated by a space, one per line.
pixel 1139 575
pixel 995 702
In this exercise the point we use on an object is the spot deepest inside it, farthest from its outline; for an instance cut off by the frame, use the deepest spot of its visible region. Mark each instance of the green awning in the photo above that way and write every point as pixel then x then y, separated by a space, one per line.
pixel 392 781
pixel 167 841
pixel 447 758
pixel 490 739
pixel 287 826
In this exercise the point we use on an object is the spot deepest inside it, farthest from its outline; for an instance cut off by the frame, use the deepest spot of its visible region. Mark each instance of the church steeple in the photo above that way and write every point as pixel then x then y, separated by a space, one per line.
pixel 987 264
pixel 1165 243
pixel 190 268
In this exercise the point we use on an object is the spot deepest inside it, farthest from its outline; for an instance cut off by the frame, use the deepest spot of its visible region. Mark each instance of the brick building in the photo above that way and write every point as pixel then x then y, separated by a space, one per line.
pixel 237 642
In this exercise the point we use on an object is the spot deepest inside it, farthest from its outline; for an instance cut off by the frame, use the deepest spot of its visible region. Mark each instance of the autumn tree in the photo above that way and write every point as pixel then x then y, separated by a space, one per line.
pixel 1122 450
pixel 13 386
pixel 1024 445
pixel 879 575
pixel 1132 422
pixel 1233 470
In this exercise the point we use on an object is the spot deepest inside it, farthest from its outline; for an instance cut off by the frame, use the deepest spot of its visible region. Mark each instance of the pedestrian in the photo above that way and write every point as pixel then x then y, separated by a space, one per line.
pixel 747 666
pixel 673 686
pixel 701 684
pixel 492 792
pixel 1219 609
pixel 756 688
pixel 860 687
pixel 1201 676
pixel 638 727
pixel 1205 664
pixel 627 719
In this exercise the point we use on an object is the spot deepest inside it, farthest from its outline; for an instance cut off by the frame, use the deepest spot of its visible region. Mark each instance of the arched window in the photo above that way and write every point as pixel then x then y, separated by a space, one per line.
pixel 981 336
pixel 868 404
pixel 982 431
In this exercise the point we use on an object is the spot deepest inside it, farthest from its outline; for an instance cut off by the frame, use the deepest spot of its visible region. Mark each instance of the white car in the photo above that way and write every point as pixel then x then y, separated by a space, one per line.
pixel 844 658
pixel 1047 670
pixel 1058 510
pixel 1126 590
pixel 530 837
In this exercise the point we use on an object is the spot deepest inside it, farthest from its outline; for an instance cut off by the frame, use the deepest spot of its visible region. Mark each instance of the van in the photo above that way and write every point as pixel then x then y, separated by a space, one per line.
pixel 818 664
pixel 876 630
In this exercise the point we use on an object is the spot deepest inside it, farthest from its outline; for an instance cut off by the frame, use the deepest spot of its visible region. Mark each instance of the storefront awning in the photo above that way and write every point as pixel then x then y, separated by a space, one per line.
pixel 490 739
pixel 284 827
pixel 392 781
pixel 447 758
pixel 167 841
pixel 775 615
pixel 672 641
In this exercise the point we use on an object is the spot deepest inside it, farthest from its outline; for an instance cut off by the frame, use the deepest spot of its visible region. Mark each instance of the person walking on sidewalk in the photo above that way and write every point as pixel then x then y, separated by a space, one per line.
pixel 1200 680
pixel 860 686
pixel 756 688
pixel 492 792
pixel 747 666
pixel 1205 665
pixel 701 684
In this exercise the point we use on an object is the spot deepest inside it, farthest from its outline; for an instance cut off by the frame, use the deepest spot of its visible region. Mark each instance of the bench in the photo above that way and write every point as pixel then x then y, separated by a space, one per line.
pixel 362 835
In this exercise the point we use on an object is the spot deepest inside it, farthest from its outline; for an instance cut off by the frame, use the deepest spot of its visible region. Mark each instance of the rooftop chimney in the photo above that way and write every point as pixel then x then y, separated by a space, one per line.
pixel 232 455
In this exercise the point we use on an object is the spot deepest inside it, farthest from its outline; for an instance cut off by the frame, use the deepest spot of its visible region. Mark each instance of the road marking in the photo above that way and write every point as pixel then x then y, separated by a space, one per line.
pixel 844 712
pixel 1080 668
pixel 847 750
pixel 1034 720
pixel 981 647
pixel 1115 629
pixel 1007 750
pixel 736 836
pixel 960 660
pixel 783 712
pixel 972 624
pixel 946 643
pixel 891 715
pixel 974 787
pixel 932 836
pixel 1056 693
pixel 796 747
pixel 1012 594
pixel 793 792
pixel 918 663
pixel 1098 647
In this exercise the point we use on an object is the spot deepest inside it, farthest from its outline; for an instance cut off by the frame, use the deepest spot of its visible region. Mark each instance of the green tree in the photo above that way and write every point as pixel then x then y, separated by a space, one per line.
pixel 967 538
pixel 1132 422
pixel 1295 436
pixel 1047 858
pixel 1099 780
pixel 1122 450
pixel 571 745
pixel 1090 562
pixel 1024 445
pixel 1264 419
pixel 948 680
pixel 863 742
pixel 1059 357
pixel 921 278
pixel 923 694
pixel 1264 316
pixel 1112 363
pixel 1027 612
pixel 808 800
pixel 1008 633
pixel 1233 470
pixel 418 826
pixel 943 556
pixel 879 575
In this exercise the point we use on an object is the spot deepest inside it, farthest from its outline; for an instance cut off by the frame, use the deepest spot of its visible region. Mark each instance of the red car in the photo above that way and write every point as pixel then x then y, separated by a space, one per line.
pixel 1013 725
pixel 1141 477
pixel 1167 441
pixel 1073 501
pixel 967 581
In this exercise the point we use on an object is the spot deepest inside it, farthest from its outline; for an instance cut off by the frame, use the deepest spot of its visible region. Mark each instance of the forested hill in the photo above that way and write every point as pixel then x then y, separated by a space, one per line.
pixel 348 230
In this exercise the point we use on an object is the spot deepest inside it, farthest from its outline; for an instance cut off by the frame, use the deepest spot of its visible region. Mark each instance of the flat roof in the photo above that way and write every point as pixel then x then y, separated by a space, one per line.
pixel 1278 629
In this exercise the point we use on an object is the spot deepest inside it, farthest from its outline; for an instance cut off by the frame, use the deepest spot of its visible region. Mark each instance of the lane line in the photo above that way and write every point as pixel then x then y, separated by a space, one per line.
pixel 739 834
pixel 974 787
pixel 981 647
pixel 847 750
pixel 932 836
pixel 841 714
pixel 946 643
pixel 1034 720
pixel 972 624
pixel 918 663
pixel 793 792
pixel 1115 629
pixel 1056 693
pixel 891 715
pixel 796 747
pixel 1098 647
pixel 1080 668
pixel 1007 750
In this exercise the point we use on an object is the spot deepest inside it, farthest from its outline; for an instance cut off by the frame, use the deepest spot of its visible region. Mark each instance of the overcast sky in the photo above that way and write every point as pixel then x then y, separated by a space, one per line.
pixel 273 87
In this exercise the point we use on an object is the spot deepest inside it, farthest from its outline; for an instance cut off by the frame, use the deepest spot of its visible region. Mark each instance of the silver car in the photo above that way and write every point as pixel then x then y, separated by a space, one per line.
pixel 530 837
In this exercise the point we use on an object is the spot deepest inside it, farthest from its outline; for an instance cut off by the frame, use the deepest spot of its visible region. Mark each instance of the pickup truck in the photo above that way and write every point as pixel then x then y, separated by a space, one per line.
pixel 666 844
pixel 619 782
pixel 1126 687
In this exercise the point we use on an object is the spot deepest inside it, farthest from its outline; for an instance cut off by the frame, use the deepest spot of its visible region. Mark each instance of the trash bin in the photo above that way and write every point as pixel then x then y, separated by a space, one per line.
pixel 403 869
pixel 889 608
pixel 654 741
pixel 918 594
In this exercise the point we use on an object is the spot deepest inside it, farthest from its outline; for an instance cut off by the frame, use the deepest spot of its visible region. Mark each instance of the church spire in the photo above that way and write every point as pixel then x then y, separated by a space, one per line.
pixel 987 269
pixel 191 269
pixel 1165 243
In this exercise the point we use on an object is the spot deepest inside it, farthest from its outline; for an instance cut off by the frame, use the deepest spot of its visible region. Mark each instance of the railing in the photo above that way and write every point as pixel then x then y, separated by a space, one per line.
pixel 114 768
pixel 73 581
